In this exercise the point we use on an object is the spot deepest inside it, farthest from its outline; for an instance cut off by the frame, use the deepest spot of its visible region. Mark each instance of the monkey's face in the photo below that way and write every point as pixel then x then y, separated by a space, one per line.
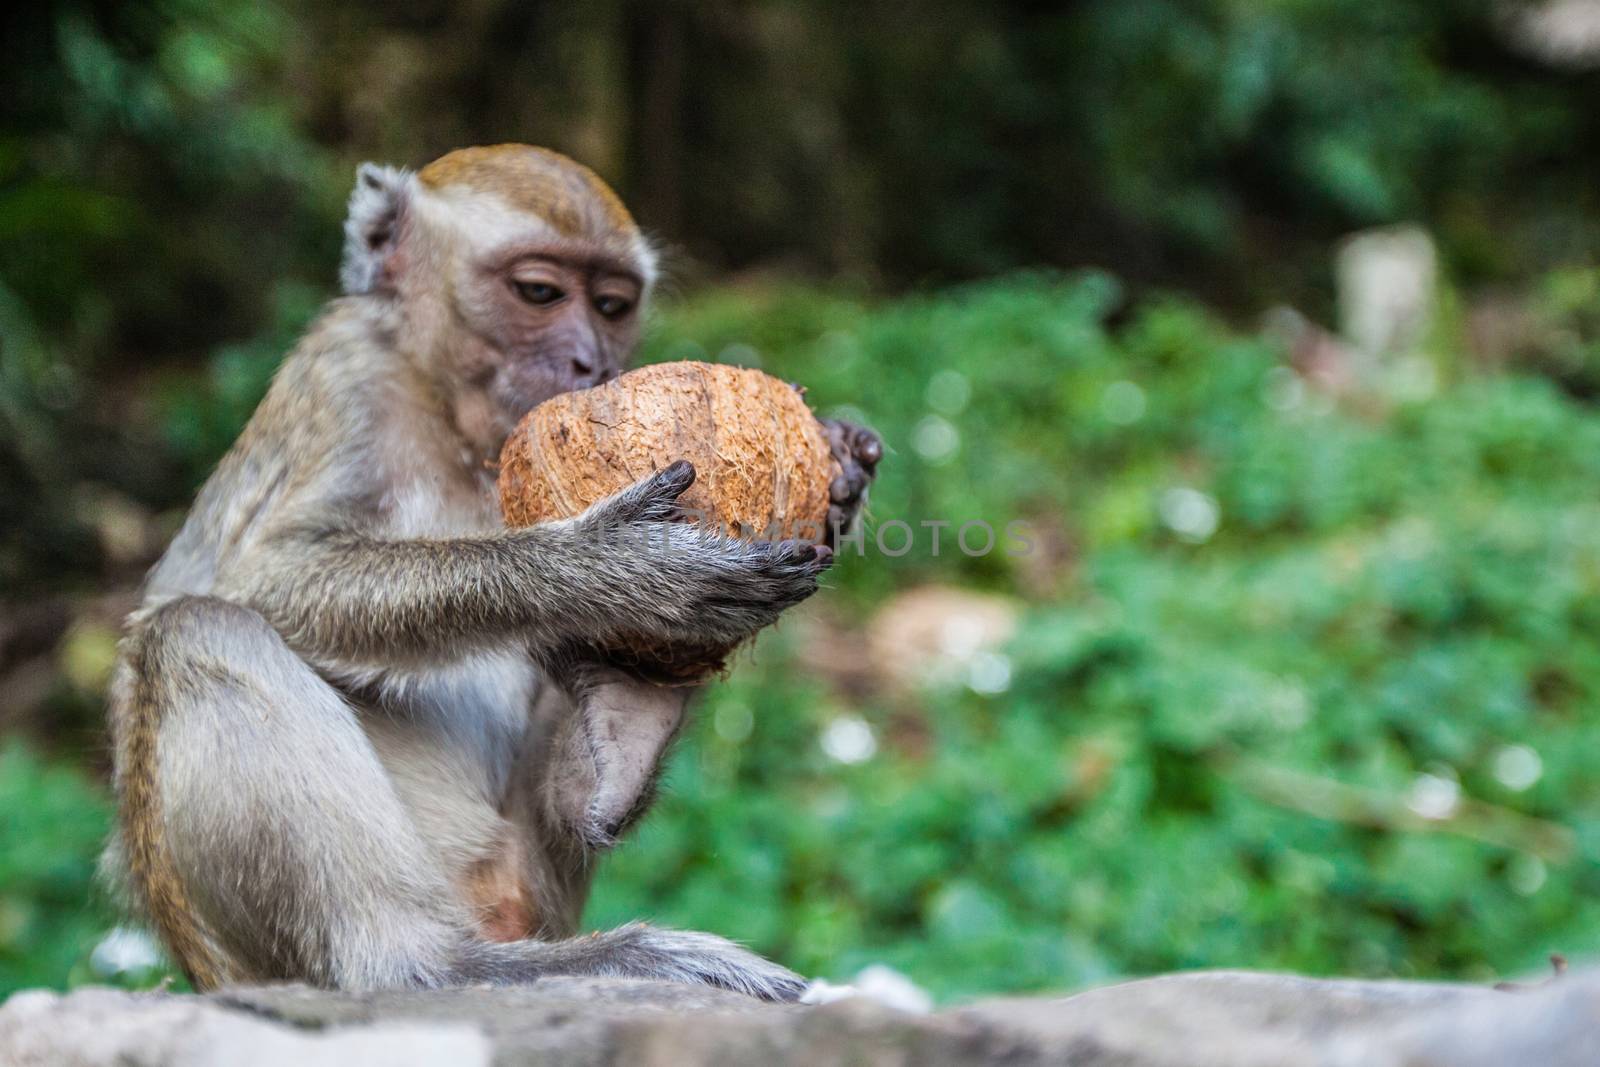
pixel 528 319
pixel 555 317
pixel 544 274
pixel 520 323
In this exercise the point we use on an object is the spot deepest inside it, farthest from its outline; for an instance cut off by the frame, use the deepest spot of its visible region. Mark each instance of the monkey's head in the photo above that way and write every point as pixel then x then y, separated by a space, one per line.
pixel 517 274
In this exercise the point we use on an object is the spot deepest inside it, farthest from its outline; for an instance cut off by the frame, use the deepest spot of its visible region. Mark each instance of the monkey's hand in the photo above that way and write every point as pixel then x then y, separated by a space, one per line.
pixel 676 584
pixel 857 450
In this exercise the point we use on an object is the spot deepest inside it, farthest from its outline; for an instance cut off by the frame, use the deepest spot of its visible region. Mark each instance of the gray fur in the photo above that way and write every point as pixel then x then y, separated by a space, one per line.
pixel 292 852
pixel 345 655
pixel 372 226
pixel 612 750
pixel 637 951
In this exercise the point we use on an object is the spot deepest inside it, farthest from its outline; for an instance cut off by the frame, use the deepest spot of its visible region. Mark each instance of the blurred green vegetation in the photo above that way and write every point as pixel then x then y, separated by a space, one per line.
pixel 172 172
pixel 1301 677
pixel 52 824
pixel 1344 731
pixel 1301 682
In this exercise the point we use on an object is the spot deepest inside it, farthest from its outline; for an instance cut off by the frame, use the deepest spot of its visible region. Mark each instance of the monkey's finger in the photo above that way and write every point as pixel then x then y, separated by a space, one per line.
pixel 805 554
pixel 837 433
pixel 671 484
pixel 851 443
pixel 840 519
pixel 776 575
pixel 651 499
pixel 848 485
pixel 673 479
pixel 867 447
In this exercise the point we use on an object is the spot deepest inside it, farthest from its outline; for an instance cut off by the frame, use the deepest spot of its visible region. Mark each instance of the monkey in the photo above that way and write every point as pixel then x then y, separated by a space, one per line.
pixel 364 735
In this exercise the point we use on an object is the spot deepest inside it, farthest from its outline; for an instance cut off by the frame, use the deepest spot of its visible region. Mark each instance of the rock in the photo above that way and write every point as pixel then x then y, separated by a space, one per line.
pixel 936 633
pixel 1563 33
pixel 1208 1019
pixel 109 1028
pixel 1388 280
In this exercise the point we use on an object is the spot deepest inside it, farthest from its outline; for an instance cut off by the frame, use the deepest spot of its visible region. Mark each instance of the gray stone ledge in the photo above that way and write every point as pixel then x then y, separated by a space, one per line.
pixel 1205 1019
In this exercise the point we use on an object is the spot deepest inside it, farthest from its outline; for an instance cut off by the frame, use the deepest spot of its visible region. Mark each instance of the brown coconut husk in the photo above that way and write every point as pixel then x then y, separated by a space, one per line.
pixel 762 464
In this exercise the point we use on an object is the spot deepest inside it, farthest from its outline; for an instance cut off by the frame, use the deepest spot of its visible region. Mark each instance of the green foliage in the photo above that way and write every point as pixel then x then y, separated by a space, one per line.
pixel 1214 748
pixel 171 171
pixel 52 824
pixel 154 197
pixel 1338 719
pixel 200 416
pixel 1566 329
pixel 1213 143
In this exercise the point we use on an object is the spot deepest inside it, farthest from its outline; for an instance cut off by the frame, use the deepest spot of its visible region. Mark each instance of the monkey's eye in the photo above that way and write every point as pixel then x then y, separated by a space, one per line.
pixel 539 294
pixel 612 307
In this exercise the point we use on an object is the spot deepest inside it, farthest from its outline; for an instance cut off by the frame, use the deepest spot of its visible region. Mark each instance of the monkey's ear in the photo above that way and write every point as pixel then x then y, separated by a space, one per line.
pixel 372 228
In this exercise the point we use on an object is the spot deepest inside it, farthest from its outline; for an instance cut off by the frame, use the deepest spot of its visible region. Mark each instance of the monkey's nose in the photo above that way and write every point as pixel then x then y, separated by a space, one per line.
pixel 586 371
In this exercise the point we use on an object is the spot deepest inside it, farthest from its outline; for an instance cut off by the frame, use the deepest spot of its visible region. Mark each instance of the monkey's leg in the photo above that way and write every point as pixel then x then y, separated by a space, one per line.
pixel 607 751
pixel 272 818
pixel 268 823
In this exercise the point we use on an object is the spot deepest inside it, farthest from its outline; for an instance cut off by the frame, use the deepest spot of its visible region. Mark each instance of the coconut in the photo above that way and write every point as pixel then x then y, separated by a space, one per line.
pixel 762 461
pixel 763 465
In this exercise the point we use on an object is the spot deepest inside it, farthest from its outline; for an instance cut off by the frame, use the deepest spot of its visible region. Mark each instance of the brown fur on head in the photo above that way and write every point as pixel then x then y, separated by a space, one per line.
pixel 517 273
pixel 565 193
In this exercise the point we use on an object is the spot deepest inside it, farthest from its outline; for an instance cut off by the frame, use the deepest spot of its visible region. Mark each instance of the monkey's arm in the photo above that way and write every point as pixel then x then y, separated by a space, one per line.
pixel 619 571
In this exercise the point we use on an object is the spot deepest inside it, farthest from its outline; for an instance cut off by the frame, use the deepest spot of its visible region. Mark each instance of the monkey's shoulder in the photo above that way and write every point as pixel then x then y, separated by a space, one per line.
pixel 337 382
pixel 339 440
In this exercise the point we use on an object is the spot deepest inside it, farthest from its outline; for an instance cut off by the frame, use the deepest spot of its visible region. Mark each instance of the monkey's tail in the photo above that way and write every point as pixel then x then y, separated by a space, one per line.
pixel 155 874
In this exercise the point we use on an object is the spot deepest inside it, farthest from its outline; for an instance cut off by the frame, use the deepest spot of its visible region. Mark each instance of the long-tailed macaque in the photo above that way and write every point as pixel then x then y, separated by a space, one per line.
pixel 360 740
